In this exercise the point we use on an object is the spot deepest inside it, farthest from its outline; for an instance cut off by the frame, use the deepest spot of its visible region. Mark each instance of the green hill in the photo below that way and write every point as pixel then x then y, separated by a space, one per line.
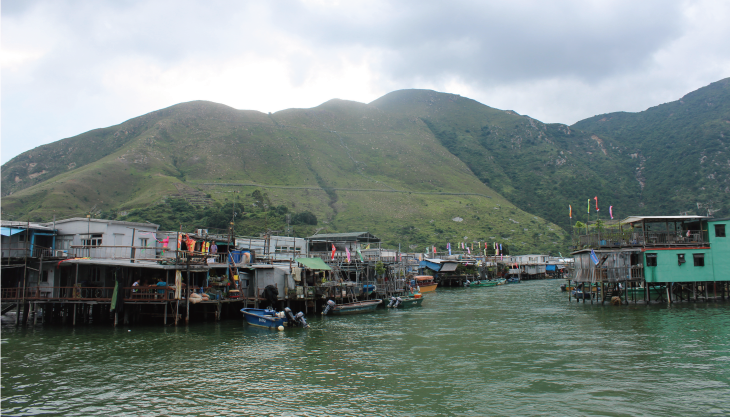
pixel 541 168
pixel 415 167
pixel 681 149
pixel 354 166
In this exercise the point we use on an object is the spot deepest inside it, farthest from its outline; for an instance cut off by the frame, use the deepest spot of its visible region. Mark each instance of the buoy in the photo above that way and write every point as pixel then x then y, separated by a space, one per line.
pixel 281 328
pixel 129 330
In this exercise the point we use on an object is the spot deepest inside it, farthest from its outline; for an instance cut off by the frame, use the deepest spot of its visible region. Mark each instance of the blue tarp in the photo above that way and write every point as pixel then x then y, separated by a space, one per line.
pixel 550 268
pixel 430 265
pixel 9 231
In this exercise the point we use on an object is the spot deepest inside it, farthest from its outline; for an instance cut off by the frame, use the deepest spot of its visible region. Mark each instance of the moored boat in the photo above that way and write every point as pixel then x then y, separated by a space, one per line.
pixel 351 308
pixel 426 283
pixel 405 301
pixel 482 283
pixel 264 317
pixel 272 319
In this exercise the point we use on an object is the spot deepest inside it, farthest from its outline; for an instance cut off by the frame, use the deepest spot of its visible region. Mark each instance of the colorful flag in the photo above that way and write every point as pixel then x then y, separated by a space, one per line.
pixel 610 211
pixel 448 246
pixel 596 198
pixel 333 251
pixel 468 250
pixel 589 206
pixel 570 211
pixel 434 250
pixel 594 258
pixel 347 251
pixel 360 254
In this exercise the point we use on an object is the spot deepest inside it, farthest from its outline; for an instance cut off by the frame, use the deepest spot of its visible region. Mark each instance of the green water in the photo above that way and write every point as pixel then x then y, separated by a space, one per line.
pixel 511 350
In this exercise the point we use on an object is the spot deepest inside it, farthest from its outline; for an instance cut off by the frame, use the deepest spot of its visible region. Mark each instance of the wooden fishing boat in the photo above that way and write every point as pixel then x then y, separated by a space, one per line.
pixel 513 280
pixel 264 317
pixel 352 308
pixel 426 283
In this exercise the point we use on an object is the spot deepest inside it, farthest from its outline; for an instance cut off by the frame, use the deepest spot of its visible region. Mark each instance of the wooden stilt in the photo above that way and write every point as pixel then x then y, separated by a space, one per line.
pixel 75 308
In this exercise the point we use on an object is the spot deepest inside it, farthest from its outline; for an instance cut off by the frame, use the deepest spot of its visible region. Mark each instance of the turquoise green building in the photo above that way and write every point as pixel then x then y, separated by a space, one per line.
pixel 681 252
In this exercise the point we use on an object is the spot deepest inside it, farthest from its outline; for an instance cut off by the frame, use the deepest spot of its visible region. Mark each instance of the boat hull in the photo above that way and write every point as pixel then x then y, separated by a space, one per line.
pixel 357 307
pixel 263 318
pixel 479 284
pixel 429 287
pixel 407 302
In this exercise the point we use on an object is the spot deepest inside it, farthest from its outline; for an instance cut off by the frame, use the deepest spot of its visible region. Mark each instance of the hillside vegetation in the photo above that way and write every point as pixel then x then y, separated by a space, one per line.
pixel 415 167
pixel 352 165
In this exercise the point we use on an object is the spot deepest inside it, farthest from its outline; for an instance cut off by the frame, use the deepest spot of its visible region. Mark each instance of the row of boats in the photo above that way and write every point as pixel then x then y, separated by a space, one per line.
pixel 421 284
pixel 491 282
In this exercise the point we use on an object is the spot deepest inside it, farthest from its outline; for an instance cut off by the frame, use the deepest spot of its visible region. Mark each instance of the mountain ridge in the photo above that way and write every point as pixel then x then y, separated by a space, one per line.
pixel 413 143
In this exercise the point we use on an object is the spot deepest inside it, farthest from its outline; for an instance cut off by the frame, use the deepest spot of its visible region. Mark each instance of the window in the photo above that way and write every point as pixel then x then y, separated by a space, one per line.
pixel 144 242
pixel 44 276
pixel 651 259
pixel 680 259
pixel 699 259
pixel 719 230
pixel 95 240
pixel 21 237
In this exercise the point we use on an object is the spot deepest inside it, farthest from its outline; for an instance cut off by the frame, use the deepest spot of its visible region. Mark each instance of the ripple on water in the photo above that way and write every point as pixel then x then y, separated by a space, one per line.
pixel 516 349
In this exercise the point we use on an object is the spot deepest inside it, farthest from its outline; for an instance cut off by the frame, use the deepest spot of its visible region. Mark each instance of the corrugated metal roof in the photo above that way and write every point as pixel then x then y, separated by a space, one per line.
pixel 359 236
pixel 636 219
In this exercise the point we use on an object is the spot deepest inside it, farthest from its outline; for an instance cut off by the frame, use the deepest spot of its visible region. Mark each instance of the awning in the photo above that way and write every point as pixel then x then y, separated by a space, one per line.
pixel 9 231
pixel 314 263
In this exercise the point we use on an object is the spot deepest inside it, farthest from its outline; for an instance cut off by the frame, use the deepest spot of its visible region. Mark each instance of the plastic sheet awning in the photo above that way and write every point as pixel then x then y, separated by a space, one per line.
pixel 314 263
pixel 9 231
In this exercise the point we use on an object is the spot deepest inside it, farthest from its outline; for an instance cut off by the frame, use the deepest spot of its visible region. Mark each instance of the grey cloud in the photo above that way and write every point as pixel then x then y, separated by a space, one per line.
pixel 490 42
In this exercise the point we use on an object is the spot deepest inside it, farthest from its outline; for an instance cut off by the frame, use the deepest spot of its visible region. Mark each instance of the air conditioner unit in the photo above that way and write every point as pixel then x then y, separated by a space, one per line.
pixel 62 254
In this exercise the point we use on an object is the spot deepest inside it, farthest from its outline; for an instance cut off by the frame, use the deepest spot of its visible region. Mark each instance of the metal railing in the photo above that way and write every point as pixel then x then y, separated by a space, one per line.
pixel 622 239
pixel 91 293
pixel 35 251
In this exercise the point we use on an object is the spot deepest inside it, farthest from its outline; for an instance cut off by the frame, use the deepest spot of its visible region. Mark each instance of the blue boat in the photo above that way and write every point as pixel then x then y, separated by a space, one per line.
pixel 264 317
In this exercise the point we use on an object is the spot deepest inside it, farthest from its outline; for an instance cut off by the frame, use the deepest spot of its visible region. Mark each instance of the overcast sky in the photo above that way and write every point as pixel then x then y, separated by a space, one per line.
pixel 72 66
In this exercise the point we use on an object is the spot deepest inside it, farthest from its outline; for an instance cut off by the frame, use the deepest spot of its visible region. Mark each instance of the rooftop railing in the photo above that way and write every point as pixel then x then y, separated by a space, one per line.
pixel 641 239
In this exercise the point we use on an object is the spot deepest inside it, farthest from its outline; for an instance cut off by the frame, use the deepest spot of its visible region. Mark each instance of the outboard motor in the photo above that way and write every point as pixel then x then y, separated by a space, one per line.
pixel 397 302
pixel 289 316
pixel 392 302
pixel 330 305
pixel 467 283
pixel 301 320
pixel 297 320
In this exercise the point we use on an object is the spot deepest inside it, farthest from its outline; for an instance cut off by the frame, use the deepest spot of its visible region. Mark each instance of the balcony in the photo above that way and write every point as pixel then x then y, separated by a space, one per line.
pixel 621 239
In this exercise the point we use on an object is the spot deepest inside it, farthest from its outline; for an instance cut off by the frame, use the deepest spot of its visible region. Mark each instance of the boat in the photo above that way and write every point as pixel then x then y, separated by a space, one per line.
pixel 580 295
pixel 264 317
pixel 351 308
pixel 567 287
pixel 498 281
pixel 272 319
pixel 405 301
pixel 513 280
pixel 426 283
pixel 655 292
pixel 482 283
